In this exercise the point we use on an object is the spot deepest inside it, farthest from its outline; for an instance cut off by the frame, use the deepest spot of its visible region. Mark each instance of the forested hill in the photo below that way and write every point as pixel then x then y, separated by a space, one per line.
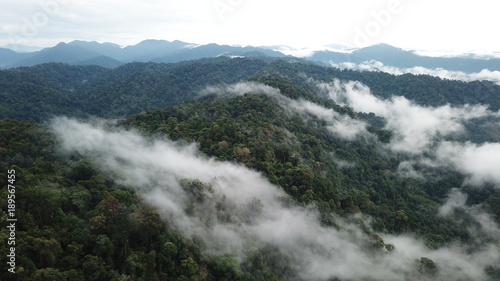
pixel 249 169
pixel 40 92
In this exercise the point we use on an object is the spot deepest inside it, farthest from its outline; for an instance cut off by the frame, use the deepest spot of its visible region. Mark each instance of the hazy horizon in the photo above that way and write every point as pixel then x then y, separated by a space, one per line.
pixel 411 25
pixel 287 50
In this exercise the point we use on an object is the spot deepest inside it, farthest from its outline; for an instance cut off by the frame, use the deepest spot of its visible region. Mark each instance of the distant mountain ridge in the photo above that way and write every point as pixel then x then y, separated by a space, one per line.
pixel 111 55
pixel 396 57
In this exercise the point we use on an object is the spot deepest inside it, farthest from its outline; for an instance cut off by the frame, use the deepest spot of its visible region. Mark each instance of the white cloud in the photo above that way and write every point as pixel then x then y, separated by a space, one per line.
pixel 122 22
pixel 406 168
pixel 251 213
pixel 374 65
pixel 415 127
pixel 457 200
pixel 242 88
pixel 480 162
pixel 419 131
pixel 198 21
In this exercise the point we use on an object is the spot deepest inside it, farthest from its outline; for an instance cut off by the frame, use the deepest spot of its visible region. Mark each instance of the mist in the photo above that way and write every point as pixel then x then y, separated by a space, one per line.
pixel 457 200
pixel 374 65
pixel 420 131
pixel 417 130
pixel 233 210
pixel 479 162
pixel 416 127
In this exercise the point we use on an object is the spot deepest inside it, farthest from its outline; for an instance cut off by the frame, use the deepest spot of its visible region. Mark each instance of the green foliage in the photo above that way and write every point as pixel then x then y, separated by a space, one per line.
pixel 422 89
pixel 76 223
pixel 40 92
pixel 37 93
pixel 426 266
pixel 298 156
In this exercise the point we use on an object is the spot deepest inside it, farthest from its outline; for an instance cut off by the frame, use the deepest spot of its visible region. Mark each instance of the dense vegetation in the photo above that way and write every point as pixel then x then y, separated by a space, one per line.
pixel 297 155
pixel 40 92
pixel 77 223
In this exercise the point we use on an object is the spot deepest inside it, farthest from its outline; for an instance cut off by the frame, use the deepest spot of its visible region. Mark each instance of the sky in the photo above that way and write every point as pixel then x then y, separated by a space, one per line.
pixel 438 26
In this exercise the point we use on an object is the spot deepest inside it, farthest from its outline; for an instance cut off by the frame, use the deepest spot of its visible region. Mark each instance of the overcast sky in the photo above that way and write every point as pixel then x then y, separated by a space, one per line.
pixel 442 25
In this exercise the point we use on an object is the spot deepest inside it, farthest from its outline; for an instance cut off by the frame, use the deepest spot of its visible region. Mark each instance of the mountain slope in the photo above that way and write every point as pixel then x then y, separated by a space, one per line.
pixel 215 50
pixel 9 57
pixel 397 57
pixel 249 169
pixel 176 51
pixel 150 50
pixel 105 49
pixel 135 87
pixel 103 61
pixel 122 91
pixel 62 53
pixel 422 89
pixel 82 52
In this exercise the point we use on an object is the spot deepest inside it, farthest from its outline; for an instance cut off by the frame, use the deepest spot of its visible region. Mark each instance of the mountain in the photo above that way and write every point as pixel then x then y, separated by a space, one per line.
pixel 396 57
pixel 215 50
pixel 135 87
pixel 149 50
pixel 112 55
pixel 104 49
pixel 121 91
pixel 22 48
pixel 231 168
pixel 78 52
pixel 104 61
pixel 248 169
pixel 9 57
pixel 62 52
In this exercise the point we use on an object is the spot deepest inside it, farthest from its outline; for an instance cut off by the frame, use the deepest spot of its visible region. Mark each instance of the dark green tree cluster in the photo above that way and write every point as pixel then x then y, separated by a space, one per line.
pixel 75 223
pixel 303 158
pixel 422 89
pixel 40 92
pixel 37 93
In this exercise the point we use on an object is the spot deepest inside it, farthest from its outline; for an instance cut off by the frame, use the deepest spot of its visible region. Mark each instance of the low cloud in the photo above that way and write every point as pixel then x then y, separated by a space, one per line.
pixel 457 201
pixel 341 125
pixel 374 65
pixel 343 164
pixel 420 131
pixel 232 209
pixel 406 168
pixel 480 162
pixel 415 127
pixel 242 88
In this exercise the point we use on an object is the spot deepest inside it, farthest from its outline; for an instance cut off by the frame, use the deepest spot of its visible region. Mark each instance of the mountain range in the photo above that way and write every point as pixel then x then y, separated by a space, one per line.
pixel 111 55
pixel 247 169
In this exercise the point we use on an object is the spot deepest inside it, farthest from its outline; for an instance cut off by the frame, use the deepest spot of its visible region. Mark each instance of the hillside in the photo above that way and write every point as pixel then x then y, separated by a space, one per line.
pixel 249 169
pixel 40 92
pixel 78 90
pixel 111 55
pixel 396 57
